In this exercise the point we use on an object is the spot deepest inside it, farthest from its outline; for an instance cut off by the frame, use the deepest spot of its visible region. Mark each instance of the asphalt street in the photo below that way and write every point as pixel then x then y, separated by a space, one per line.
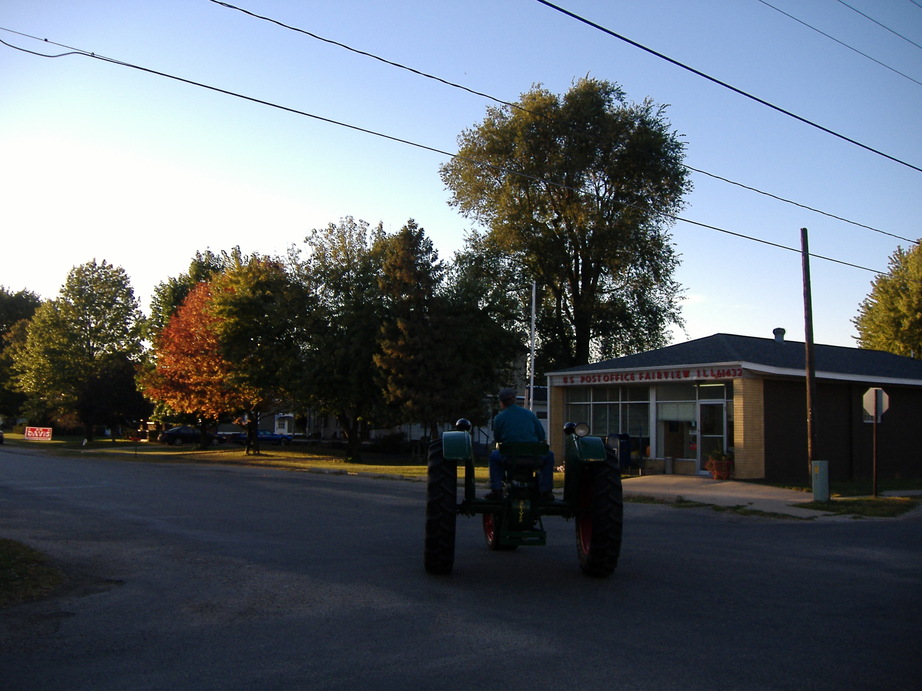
pixel 187 576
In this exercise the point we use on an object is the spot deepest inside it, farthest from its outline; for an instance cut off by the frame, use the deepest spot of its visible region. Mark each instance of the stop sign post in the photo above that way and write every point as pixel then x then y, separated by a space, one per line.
pixel 876 402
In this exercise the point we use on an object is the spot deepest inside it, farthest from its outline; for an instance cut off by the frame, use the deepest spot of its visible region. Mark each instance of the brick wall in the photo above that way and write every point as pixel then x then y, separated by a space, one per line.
pixel 749 428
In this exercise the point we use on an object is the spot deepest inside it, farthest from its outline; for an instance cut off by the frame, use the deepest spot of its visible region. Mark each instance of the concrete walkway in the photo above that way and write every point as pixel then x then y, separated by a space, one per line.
pixel 671 488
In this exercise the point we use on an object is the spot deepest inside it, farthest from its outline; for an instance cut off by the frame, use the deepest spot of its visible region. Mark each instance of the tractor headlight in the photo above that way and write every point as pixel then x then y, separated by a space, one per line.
pixel 580 429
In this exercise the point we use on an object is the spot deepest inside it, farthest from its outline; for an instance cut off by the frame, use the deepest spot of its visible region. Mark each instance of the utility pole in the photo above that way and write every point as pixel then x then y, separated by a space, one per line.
pixel 531 383
pixel 810 366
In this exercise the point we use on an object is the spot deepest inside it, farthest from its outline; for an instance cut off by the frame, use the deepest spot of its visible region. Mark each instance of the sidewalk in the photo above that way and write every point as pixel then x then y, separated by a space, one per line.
pixel 671 488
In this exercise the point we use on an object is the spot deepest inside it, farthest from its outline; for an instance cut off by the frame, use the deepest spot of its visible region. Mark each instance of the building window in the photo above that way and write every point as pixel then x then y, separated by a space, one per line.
pixel 613 410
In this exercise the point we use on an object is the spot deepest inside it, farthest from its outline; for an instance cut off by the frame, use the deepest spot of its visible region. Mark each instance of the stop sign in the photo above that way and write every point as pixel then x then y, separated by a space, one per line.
pixel 876 402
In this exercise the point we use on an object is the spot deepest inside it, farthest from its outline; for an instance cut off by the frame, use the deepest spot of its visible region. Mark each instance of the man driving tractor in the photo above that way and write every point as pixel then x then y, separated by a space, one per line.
pixel 516 424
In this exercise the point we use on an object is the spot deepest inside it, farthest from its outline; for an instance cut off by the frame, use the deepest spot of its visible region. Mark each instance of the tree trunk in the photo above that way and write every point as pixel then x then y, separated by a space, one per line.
pixel 352 428
pixel 252 447
pixel 88 430
pixel 203 434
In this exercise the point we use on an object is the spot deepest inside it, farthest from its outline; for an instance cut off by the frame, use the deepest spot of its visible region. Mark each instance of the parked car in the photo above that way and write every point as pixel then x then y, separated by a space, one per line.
pixel 265 437
pixel 1 436
pixel 186 435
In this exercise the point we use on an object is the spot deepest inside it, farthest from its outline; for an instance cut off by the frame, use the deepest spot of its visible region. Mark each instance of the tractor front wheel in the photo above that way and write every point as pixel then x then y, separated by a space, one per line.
pixel 600 518
pixel 441 511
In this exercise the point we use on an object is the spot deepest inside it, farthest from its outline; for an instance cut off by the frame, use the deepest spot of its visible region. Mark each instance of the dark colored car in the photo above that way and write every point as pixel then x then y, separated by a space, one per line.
pixel 186 435
pixel 1 436
pixel 265 437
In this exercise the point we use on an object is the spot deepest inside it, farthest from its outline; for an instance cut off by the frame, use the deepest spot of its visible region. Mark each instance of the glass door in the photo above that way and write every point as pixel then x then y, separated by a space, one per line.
pixel 713 430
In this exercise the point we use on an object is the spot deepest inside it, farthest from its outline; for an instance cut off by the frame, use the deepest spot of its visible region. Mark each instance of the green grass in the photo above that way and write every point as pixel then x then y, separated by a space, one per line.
pixel 294 457
pixel 854 498
pixel 25 574
pixel 864 507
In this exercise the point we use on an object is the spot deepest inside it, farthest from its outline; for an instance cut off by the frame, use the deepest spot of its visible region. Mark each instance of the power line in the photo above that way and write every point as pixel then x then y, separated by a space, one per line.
pixel 361 52
pixel 734 89
pixel 520 108
pixel 841 43
pixel 399 140
pixel 803 206
pixel 883 26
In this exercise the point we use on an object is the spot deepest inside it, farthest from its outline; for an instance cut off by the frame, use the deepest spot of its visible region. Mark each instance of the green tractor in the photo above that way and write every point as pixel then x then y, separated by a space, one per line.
pixel 592 496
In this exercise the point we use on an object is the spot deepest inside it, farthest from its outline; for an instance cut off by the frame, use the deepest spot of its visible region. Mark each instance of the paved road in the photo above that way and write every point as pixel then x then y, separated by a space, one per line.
pixel 203 577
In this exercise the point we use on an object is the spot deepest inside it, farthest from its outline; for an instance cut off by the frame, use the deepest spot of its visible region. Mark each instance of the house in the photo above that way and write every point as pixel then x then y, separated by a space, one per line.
pixel 748 395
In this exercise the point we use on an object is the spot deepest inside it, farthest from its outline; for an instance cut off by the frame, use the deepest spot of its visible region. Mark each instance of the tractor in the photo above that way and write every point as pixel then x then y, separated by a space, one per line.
pixel 592 496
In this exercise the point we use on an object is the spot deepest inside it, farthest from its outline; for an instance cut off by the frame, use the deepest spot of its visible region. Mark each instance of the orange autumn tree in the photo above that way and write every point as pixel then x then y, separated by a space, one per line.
pixel 190 373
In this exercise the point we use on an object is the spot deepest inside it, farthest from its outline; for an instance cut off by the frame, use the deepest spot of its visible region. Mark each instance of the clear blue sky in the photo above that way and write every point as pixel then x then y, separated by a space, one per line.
pixel 100 161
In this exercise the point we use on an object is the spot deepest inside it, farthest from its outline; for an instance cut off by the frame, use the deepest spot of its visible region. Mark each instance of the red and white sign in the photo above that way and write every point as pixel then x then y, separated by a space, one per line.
pixel 38 433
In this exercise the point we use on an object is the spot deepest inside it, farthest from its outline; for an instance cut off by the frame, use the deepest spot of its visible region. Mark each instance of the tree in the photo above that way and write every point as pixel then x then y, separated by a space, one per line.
pixel 444 344
pixel 409 362
pixel 890 318
pixel 338 373
pixel 577 192
pixel 190 373
pixel 169 294
pixel 72 340
pixel 478 319
pixel 261 320
pixel 15 308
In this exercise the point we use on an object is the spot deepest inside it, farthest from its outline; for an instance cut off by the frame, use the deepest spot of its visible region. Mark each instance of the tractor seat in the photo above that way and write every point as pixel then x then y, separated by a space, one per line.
pixel 523 455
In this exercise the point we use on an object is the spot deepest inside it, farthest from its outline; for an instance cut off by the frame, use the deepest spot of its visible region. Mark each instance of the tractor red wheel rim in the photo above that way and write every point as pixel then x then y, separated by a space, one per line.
pixel 489 527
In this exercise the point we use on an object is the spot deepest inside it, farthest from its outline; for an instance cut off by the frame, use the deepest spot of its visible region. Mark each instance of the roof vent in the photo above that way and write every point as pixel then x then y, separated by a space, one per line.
pixel 779 335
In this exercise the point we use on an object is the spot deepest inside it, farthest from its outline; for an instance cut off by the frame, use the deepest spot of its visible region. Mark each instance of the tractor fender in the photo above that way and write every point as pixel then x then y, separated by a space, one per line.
pixel 456 445
pixel 585 449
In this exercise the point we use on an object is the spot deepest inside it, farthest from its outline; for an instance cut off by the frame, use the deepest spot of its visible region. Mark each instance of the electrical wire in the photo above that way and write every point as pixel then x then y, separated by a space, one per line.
pixel 516 106
pixel 734 89
pixel 32 52
pixel 883 26
pixel 399 140
pixel 803 206
pixel 841 43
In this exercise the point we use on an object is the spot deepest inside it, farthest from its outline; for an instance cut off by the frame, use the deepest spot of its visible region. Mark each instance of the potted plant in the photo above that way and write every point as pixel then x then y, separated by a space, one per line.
pixel 719 464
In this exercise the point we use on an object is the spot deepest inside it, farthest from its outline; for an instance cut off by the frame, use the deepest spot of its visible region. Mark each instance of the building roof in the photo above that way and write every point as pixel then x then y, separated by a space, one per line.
pixel 770 356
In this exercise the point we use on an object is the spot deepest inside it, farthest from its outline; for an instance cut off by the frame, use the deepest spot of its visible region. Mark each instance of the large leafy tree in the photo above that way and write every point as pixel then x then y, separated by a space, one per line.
pixel 890 317
pixel 483 343
pixel 14 309
pixel 262 317
pixel 338 373
pixel 75 341
pixel 577 193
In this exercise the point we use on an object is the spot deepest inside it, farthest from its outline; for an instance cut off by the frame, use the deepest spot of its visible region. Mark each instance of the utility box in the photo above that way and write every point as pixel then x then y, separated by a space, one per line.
pixel 820 477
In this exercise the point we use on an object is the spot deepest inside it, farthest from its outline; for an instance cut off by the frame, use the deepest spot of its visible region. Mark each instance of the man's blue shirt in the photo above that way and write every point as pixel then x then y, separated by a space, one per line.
pixel 517 424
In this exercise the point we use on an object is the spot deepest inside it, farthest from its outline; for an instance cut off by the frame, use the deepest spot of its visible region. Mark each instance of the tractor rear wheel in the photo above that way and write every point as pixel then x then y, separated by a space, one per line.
pixel 600 518
pixel 441 511
pixel 490 533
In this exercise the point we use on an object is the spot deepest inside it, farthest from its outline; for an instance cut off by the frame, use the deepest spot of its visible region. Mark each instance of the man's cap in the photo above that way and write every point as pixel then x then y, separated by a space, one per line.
pixel 507 394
